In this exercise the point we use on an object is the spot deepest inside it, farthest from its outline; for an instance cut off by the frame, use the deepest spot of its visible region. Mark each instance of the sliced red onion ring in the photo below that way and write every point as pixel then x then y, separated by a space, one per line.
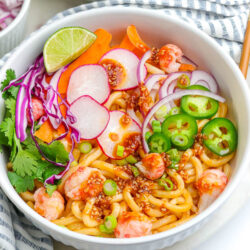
pixel 200 77
pixel 91 117
pixel 168 99
pixel 152 80
pixel 141 66
pixel 169 84
pixel 186 60
pixel 132 114
pixel 115 132
pixel 91 80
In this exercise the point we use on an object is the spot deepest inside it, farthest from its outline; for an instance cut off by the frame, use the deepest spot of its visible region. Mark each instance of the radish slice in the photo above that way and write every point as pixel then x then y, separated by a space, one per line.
pixel 124 63
pixel 91 80
pixel 200 77
pixel 116 132
pixel 141 66
pixel 91 117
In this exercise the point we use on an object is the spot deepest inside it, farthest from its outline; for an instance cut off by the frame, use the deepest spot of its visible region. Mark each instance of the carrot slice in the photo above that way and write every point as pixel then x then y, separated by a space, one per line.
pixel 187 67
pixel 135 39
pixel 91 56
pixel 45 132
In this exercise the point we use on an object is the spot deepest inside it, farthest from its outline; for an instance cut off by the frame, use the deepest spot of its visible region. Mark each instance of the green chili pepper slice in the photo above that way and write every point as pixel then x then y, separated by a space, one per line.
pixel 182 142
pixel 179 124
pixel 183 81
pixel 200 107
pixel 158 143
pixel 109 187
pixel 220 136
pixel 166 183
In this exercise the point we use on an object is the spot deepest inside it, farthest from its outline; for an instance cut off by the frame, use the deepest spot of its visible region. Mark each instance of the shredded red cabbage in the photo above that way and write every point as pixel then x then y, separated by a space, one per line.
pixel 33 84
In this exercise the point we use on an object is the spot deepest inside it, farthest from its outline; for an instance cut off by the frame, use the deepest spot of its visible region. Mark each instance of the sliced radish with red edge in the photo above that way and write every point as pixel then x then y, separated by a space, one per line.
pixel 124 63
pixel 116 132
pixel 91 117
pixel 91 80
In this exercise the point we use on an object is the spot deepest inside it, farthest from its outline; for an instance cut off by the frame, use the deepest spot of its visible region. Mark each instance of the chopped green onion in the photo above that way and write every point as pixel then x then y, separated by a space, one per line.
pixel 104 230
pixel 174 155
pixel 122 162
pixel 162 112
pixel 135 171
pixel 109 187
pixel 74 164
pixel 174 165
pixel 183 81
pixel 62 226
pixel 147 135
pixel 85 147
pixel 120 151
pixel 156 125
pixel 175 111
pixel 131 159
pixel 166 183
pixel 110 222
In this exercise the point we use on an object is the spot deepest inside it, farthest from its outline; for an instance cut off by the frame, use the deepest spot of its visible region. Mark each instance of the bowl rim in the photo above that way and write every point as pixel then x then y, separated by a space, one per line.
pixel 15 198
pixel 19 17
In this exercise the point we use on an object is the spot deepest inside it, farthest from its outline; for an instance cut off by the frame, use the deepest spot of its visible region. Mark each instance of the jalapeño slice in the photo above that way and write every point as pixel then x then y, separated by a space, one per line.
pixel 158 143
pixel 220 136
pixel 182 142
pixel 179 124
pixel 200 107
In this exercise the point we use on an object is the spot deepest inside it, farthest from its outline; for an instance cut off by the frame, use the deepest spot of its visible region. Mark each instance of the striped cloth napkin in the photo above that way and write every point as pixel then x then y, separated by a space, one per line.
pixel 224 20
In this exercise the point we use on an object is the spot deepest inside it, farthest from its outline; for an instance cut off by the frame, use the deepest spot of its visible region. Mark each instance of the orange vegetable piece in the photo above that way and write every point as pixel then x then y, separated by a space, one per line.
pixel 187 67
pixel 91 56
pixel 45 132
pixel 136 40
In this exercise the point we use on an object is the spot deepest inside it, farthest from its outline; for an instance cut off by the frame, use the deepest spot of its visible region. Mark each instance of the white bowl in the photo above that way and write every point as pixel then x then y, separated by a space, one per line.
pixel 12 35
pixel 156 29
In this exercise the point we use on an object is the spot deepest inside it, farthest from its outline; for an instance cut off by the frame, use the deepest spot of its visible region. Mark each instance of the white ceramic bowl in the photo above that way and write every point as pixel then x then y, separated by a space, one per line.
pixel 12 35
pixel 156 29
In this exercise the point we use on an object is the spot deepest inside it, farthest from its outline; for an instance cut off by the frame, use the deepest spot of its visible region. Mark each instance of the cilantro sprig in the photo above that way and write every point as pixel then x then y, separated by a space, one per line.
pixel 27 161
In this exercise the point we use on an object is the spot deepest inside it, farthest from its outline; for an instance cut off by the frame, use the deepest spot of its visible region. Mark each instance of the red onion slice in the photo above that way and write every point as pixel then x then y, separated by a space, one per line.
pixel 151 81
pixel 168 99
pixel 91 80
pixel 91 117
pixel 186 60
pixel 200 77
pixel 132 114
pixel 169 84
pixel 141 66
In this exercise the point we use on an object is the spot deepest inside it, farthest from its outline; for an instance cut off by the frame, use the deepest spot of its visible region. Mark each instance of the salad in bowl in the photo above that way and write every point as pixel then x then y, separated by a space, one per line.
pixel 116 140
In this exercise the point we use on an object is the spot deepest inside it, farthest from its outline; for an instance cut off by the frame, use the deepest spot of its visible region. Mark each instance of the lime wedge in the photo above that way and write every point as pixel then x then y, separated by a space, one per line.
pixel 65 45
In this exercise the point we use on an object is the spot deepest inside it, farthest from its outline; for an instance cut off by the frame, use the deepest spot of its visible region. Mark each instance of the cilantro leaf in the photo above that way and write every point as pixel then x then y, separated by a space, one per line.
pixel 10 105
pixel 10 75
pixel 50 189
pixel 55 151
pixel 24 163
pixel 7 128
pixel 21 184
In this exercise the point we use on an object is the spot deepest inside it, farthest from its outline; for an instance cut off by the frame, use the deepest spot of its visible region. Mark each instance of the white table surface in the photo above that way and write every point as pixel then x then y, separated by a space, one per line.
pixel 230 227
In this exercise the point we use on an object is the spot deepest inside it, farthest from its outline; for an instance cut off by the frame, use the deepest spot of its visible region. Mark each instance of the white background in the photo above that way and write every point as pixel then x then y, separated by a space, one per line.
pixel 229 229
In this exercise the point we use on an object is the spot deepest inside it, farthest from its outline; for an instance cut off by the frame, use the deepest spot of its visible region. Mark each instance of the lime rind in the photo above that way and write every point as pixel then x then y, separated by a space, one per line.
pixel 65 45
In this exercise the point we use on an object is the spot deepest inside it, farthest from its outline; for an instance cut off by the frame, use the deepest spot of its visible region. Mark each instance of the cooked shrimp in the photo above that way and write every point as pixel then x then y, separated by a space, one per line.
pixel 84 183
pixel 152 166
pixel 169 58
pixel 132 224
pixel 50 207
pixel 37 110
pixel 210 185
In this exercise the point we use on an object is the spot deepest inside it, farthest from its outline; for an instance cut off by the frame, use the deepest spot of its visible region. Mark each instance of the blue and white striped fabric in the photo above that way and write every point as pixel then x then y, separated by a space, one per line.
pixel 224 20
